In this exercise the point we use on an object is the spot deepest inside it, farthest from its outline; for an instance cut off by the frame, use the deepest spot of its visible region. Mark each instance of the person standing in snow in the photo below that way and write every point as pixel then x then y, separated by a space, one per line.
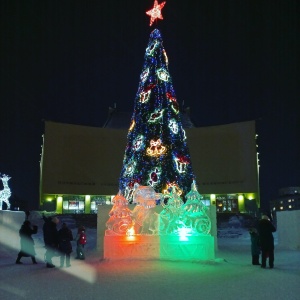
pixel 265 230
pixel 26 241
pixel 255 245
pixel 65 236
pixel 50 239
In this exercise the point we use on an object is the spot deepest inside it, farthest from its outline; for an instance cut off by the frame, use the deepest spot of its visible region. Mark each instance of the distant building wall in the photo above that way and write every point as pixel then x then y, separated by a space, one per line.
pixel 81 160
pixel 288 227
pixel 288 199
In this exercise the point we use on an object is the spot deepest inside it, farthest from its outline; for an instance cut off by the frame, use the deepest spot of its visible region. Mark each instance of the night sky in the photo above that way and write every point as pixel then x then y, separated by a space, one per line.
pixel 68 61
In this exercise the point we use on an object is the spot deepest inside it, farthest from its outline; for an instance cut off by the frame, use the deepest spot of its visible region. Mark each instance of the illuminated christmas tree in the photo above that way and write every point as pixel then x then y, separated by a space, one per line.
pixel 156 154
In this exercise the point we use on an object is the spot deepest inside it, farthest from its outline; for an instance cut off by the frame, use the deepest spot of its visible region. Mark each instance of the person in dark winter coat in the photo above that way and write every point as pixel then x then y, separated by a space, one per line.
pixel 65 236
pixel 27 242
pixel 255 246
pixel 50 239
pixel 266 229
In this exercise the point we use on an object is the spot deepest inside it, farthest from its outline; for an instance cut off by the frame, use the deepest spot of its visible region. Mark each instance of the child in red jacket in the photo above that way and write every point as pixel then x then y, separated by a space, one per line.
pixel 81 241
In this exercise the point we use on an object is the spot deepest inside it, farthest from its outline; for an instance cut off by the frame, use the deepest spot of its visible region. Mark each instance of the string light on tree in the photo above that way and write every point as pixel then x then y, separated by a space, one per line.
pixel 166 57
pixel 184 134
pixel 155 136
pixel 132 125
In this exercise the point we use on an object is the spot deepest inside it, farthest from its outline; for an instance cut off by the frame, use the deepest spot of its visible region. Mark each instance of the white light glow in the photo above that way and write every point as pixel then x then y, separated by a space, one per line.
pixel 5 193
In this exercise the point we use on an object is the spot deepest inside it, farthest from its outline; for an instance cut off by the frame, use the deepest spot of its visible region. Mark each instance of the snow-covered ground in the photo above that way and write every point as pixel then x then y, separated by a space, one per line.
pixel 230 276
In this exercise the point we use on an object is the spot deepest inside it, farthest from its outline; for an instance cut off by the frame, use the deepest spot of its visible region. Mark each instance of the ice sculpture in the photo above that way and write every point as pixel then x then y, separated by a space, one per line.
pixel 180 232
pixel 120 221
pixel 172 214
pixel 144 215
pixel 5 193
pixel 195 217
pixel 176 218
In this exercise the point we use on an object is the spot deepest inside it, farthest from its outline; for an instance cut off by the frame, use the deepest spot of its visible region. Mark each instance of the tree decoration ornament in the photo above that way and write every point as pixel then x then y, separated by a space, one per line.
pixel 154 176
pixel 138 143
pixel 155 12
pixel 171 186
pixel 130 168
pixel 174 103
pixel 156 115
pixel 163 74
pixel 151 48
pixel 156 148
pixel 173 126
pixel 144 75
pixel 181 163
pixel 145 95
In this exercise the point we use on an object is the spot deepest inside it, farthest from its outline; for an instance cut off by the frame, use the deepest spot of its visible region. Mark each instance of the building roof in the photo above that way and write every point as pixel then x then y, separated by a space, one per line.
pixel 121 120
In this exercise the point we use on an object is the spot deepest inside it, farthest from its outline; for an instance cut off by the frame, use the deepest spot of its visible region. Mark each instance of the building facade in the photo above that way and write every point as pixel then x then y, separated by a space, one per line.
pixel 288 199
pixel 80 165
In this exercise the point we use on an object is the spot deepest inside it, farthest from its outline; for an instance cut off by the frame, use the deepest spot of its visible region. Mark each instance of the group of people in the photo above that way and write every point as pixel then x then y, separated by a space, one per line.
pixel 57 242
pixel 262 242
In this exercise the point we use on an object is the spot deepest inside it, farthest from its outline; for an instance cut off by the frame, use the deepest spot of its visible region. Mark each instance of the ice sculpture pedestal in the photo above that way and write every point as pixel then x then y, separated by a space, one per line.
pixel 188 248
pixel 131 247
pixel 169 247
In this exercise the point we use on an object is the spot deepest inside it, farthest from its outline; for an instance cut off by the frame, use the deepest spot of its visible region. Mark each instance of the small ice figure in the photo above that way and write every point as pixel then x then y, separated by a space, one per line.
pixel 120 220
pixel 171 216
pixel 144 215
pixel 195 216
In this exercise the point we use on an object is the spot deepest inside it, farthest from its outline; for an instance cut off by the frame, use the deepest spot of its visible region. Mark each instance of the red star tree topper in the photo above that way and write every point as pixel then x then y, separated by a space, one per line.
pixel 155 12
